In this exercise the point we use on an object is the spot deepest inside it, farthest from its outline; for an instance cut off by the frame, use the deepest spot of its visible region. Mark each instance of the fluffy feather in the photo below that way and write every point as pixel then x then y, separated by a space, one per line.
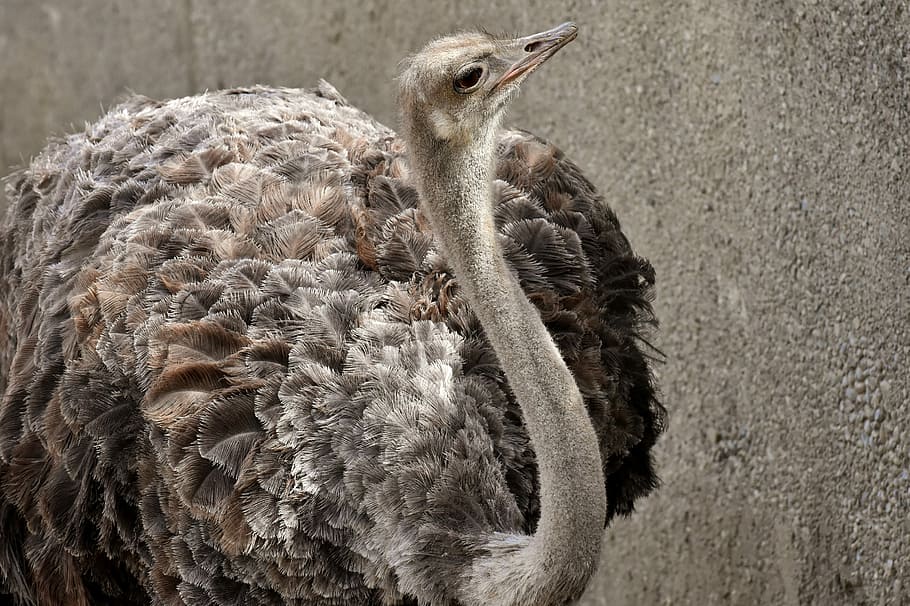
pixel 237 370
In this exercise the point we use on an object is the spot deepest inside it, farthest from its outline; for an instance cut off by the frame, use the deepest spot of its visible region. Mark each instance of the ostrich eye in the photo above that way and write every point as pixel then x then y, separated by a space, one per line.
pixel 468 79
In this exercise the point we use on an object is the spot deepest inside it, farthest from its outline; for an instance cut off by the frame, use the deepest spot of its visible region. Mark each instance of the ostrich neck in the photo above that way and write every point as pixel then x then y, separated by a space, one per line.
pixel 456 185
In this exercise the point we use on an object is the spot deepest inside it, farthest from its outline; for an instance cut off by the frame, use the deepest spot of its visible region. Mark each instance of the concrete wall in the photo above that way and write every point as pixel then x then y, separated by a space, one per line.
pixel 757 153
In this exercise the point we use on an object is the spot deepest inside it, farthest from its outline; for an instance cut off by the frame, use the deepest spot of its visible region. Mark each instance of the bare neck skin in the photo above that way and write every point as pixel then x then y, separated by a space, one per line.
pixel 554 565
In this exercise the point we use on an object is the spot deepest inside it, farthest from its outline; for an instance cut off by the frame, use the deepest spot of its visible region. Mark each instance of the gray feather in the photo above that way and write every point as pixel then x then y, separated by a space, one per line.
pixel 237 369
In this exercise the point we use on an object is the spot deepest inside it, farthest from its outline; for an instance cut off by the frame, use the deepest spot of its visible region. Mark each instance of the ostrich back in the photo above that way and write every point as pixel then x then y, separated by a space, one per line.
pixel 236 370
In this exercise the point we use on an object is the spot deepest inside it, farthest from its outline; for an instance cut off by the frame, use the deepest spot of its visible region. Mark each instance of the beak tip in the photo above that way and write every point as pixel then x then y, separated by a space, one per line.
pixel 568 29
pixel 564 33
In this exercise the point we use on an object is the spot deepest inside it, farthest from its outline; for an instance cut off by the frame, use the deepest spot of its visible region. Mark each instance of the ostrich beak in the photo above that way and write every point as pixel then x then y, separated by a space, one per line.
pixel 535 49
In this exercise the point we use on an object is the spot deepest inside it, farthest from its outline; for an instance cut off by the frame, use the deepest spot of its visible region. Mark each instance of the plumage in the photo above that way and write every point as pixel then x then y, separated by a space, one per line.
pixel 239 369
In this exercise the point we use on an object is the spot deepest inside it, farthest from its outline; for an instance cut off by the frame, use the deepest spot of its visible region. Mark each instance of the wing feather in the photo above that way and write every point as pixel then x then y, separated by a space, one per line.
pixel 229 430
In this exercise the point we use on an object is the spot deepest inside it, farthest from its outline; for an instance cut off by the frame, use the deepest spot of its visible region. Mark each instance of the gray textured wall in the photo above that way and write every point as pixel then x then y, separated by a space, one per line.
pixel 757 152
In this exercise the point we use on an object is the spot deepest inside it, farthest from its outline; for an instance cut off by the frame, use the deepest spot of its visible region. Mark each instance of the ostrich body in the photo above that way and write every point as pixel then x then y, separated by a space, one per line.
pixel 241 364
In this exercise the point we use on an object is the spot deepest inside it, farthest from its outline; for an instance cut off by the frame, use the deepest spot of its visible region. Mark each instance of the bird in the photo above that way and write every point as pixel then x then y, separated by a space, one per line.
pixel 257 348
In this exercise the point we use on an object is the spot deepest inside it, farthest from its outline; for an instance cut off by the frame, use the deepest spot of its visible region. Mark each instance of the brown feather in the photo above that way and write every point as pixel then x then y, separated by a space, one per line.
pixel 237 368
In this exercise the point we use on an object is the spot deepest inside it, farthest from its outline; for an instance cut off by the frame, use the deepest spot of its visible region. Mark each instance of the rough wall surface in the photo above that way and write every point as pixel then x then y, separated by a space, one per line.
pixel 757 152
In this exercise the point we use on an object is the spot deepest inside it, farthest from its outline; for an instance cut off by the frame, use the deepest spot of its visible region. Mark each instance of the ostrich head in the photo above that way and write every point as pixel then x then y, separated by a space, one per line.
pixel 455 90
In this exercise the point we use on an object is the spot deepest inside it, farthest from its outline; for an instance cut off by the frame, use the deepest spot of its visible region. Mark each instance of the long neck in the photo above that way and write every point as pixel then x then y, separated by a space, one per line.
pixel 555 564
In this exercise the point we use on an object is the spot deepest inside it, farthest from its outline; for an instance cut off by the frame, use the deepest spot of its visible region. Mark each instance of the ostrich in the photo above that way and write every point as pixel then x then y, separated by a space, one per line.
pixel 257 349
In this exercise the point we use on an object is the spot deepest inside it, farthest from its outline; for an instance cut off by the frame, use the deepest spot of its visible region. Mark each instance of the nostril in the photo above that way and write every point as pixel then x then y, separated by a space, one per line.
pixel 533 46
